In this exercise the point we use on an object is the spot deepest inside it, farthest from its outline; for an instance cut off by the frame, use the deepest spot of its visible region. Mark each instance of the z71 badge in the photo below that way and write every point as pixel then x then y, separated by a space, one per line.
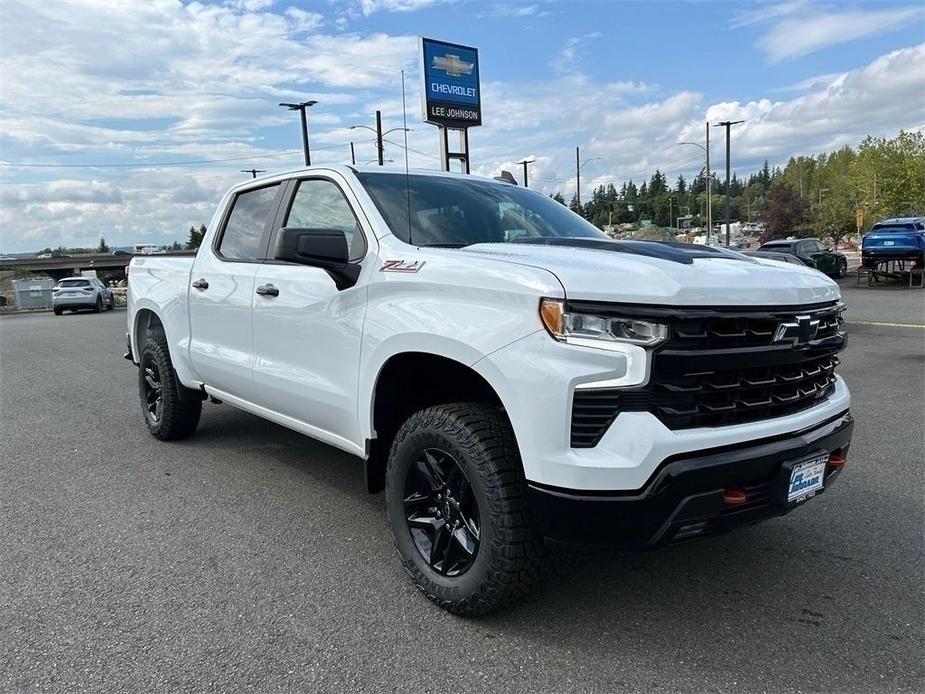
pixel 401 266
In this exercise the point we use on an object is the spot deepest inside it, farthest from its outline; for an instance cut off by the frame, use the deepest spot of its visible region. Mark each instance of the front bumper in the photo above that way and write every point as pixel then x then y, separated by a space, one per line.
pixel 683 498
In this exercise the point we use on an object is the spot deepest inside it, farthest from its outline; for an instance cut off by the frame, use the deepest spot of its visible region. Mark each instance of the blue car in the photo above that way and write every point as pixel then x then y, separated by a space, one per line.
pixel 902 238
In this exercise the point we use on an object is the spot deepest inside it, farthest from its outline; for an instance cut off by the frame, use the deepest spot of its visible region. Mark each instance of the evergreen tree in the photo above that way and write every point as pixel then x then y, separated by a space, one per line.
pixel 102 247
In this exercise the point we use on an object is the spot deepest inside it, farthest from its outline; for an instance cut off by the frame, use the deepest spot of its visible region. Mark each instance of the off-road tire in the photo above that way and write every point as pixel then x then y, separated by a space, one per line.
pixel 510 552
pixel 98 307
pixel 178 418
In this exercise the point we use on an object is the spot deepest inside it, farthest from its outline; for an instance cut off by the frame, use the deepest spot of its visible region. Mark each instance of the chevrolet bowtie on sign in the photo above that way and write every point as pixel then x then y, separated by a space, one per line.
pixel 451 84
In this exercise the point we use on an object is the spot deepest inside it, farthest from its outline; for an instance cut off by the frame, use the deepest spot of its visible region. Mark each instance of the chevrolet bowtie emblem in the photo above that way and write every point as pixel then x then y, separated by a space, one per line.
pixel 799 332
pixel 452 65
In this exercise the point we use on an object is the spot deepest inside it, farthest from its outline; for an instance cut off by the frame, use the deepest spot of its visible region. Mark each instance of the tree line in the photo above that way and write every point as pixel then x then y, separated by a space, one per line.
pixel 810 196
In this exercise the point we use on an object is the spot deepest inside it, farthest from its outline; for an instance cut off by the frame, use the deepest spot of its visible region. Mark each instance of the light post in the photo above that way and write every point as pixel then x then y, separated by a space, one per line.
pixel 301 108
pixel 706 151
pixel 579 165
pixel 524 163
pixel 728 124
pixel 380 148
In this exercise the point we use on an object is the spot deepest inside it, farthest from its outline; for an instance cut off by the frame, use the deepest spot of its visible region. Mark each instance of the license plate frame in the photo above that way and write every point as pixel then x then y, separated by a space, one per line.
pixel 801 479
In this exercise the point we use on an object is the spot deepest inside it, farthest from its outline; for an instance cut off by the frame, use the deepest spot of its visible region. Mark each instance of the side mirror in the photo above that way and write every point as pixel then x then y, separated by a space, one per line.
pixel 323 248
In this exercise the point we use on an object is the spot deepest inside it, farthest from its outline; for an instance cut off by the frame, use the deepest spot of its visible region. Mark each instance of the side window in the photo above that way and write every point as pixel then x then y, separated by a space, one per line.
pixel 820 247
pixel 320 204
pixel 243 233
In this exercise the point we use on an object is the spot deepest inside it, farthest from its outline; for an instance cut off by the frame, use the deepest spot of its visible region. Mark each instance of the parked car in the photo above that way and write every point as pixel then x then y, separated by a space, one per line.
pixel 770 255
pixel 73 293
pixel 902 238
pixel 505 371
pixel 811 252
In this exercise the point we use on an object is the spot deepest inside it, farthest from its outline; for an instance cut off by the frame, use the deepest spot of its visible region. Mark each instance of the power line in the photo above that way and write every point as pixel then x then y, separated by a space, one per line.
pixel 411 149
pixel 148 165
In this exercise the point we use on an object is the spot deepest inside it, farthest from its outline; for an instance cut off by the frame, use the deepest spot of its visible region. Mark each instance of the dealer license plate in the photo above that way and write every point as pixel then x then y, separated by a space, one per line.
pixel 806 479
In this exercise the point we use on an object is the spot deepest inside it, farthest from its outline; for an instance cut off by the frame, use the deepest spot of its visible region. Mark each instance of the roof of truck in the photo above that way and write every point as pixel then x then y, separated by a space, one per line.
pixel 348 169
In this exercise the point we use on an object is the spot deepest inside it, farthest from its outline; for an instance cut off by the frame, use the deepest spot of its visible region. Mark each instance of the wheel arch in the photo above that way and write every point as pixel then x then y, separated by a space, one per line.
pixel 437 379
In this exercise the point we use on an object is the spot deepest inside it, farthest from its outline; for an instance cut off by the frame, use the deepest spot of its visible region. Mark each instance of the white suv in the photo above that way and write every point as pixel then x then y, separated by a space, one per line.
pixel 73 293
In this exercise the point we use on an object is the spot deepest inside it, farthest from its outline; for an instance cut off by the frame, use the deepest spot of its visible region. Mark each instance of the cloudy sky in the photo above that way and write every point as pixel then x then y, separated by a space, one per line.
pixel 122 110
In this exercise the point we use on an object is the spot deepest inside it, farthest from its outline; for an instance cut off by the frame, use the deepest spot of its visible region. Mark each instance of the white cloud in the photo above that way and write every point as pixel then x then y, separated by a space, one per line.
pixel 369 7
pixel 766 12
pixel 797 27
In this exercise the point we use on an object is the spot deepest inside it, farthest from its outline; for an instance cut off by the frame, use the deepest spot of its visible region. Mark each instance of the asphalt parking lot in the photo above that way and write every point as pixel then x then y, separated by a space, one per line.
pixel 249 558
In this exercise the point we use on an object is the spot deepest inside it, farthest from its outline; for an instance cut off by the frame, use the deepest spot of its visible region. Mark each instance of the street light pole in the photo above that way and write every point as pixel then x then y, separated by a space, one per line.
pixel 709 211
pixel 578 177
pixel 301 108
pixel 379 137
pixel 727 124
pixel 380 147
pixel 709 188
pixel 578 166
pixel 524 163
pixel 353 156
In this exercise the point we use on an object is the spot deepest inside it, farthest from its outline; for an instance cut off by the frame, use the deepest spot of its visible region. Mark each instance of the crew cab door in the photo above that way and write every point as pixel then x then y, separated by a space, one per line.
pixel 222 289
pixel 307 333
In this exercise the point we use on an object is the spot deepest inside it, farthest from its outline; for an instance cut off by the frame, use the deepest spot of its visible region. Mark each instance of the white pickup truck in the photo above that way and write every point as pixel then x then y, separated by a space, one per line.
pixel 506 372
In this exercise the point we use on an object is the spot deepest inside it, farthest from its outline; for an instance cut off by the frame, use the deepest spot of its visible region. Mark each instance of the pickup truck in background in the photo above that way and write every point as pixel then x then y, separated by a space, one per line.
pixel 505 371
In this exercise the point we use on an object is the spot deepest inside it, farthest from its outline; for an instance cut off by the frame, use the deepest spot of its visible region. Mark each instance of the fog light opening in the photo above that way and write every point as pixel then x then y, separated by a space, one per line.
pixel 734 497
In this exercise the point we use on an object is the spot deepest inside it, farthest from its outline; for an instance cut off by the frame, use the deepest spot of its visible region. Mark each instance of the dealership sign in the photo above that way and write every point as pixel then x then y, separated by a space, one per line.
pixel 450 72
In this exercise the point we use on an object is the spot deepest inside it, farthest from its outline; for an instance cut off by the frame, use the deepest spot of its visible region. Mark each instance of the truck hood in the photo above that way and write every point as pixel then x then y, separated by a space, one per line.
pixel 650 273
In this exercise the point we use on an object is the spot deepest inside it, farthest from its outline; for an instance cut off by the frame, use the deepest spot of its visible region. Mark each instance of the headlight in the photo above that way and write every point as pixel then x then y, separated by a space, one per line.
pixel 590 330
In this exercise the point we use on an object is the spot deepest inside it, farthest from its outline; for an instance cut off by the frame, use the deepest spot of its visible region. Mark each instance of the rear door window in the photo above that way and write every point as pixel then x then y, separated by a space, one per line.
pixel 243 236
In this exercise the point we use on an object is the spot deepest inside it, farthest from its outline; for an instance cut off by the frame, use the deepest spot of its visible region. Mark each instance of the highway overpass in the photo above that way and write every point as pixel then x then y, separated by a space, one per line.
pixel 108 266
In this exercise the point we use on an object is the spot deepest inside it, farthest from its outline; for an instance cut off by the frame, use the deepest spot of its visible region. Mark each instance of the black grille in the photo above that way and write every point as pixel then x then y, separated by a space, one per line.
pixel 721 368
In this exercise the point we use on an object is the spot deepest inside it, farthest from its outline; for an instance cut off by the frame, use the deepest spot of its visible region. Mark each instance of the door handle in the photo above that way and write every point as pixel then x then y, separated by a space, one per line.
pixel 200 284
pixel 267 290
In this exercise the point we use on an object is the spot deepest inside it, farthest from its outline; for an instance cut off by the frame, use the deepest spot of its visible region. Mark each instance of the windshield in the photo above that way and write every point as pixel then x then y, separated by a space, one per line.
pixel 779 247
pixel 457 212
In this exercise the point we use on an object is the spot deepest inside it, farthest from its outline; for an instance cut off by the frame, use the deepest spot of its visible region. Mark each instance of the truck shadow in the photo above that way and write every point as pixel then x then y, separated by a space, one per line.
pixel 688 602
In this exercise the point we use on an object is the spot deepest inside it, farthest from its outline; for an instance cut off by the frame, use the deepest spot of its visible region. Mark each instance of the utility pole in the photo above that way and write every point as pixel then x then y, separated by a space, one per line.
pixel 578 177
pixel 380 147
pixel 301 108
pixel 709 210
pixel 353 156
pixel 578 166
pixel 727 124
pixel 524 163
pixel 709 189
pixel 379 137
pixel 253 172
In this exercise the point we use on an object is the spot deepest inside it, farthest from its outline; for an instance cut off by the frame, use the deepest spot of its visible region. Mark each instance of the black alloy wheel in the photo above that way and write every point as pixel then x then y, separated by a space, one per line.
pixel 442 512
pixel 153 391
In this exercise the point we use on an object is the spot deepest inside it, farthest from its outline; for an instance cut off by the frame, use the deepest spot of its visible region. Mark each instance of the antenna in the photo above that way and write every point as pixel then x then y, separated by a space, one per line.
pixel 404 116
